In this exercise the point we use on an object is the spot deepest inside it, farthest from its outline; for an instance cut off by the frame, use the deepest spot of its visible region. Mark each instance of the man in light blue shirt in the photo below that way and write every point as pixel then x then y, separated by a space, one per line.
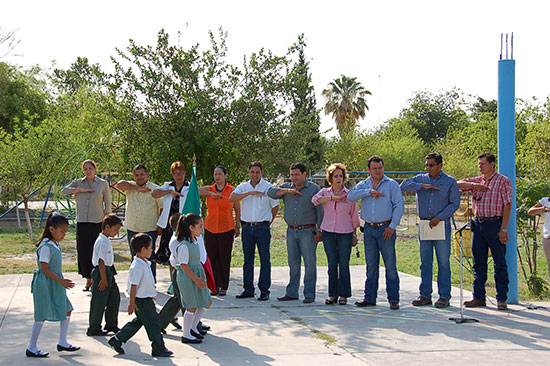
pixel 437 198
pixel 381 208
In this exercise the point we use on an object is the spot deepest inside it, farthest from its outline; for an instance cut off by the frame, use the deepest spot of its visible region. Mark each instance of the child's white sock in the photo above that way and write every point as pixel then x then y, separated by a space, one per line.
pixel 197 318
pixel 187 321
pixel 63 330
pixel 36 328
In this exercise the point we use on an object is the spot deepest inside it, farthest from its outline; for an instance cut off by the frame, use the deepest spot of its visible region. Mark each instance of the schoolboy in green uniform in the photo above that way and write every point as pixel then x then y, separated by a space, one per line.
pixel 105 292
pixel 141 287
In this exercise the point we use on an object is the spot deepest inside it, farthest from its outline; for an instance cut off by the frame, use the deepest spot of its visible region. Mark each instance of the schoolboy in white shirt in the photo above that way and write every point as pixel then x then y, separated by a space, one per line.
pixel 105 292
pixel 142 290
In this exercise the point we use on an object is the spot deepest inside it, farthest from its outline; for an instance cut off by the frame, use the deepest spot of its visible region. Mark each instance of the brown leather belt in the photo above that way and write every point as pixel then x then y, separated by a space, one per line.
pixel 378 224
pixel 300 227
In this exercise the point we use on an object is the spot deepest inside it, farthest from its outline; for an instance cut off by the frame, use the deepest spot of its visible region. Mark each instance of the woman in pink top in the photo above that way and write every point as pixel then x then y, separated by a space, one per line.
pixel 339 226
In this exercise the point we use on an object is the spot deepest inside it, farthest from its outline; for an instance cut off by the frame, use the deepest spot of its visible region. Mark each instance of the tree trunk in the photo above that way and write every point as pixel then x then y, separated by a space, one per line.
pixel 28 217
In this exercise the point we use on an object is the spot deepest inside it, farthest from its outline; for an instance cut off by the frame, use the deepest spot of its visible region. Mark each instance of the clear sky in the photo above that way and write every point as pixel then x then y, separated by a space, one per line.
pixel 393 47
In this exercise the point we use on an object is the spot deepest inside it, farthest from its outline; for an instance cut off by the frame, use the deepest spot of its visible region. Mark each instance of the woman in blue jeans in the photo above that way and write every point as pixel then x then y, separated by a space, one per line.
pixel 340 223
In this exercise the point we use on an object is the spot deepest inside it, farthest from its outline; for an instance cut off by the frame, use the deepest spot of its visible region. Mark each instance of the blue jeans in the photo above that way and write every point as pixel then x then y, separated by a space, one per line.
pixel 301 243
pixel 374 245
pixel 338 250
pixel 485 237
pixel 442 253
pixel 153 235
pixel 253 236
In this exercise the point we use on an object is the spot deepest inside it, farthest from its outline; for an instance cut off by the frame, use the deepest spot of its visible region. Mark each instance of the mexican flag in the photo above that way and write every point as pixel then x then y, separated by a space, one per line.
pixel 192 201
pixel 193 205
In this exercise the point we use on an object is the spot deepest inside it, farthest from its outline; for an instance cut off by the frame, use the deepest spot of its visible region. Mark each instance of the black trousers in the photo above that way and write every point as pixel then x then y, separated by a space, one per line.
pixel 86 235
pixel 219 247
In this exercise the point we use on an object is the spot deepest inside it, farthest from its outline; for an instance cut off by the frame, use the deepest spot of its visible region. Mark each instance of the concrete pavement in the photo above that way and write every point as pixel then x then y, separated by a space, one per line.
pixel 248 332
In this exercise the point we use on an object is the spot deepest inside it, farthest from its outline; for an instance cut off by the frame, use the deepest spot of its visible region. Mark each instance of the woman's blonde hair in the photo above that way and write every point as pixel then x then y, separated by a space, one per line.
pixel 332 168
pixel 176 165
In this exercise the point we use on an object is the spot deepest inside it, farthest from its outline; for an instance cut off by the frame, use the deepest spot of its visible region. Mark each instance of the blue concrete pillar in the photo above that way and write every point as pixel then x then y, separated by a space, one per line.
pixel 507 160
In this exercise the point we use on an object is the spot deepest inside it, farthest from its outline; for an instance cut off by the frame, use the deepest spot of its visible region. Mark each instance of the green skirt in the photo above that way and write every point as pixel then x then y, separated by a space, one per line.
pixel 190 295
pixel 50 298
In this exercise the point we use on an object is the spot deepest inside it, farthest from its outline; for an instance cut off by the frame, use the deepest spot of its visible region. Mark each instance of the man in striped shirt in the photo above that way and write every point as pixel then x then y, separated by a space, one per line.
pixel 492 195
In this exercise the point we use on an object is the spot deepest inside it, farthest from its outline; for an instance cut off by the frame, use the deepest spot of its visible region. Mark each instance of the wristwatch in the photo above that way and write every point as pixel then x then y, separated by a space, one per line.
pixel 504 230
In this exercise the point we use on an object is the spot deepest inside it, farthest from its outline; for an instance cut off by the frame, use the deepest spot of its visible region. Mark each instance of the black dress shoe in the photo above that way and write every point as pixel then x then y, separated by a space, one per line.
pixel 95 333
pixel 38 353
pixel 244 295
pixel 162 353
pixel 175 323
pixel 263 297
pixel 394 305
pixel 196 334
pixel 203 327
pixel 364 303
pixel 116 344
pixel 190 340
pixel 61 348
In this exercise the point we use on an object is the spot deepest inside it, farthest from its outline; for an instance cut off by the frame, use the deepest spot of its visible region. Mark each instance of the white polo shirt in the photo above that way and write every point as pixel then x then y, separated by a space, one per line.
pixel 44 252
pixel 256 208
pixel 140 274
pixel 103 250
pixel 172 246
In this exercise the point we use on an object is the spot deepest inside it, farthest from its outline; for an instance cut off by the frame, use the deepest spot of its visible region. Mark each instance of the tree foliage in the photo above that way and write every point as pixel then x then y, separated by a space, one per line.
pixel 528 193
pixel 178 102
pixel 23 98
pixel 345 100
pixel 432 115
pixel 534 148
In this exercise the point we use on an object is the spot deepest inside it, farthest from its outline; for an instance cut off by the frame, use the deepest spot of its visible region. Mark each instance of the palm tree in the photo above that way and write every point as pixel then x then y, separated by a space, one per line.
pixel 345 99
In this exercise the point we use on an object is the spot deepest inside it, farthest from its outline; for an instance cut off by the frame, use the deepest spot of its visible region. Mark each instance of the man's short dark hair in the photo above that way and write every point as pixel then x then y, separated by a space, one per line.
pixel 300 166
pixel 435 156
pixel 376 159
pixel 112 220
pixel 489 156
pixel 140 241
pixel 141 167
pixel 257 164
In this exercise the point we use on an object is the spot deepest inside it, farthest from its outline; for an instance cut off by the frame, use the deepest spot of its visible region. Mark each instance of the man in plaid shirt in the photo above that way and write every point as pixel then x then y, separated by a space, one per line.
pixel 492 195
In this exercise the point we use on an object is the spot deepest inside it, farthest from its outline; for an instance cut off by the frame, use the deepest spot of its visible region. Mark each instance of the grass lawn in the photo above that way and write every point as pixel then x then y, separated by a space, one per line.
pixel 17 255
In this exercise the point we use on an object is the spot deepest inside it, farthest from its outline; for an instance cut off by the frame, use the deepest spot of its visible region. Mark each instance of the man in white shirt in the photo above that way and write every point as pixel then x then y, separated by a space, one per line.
pixel 257 213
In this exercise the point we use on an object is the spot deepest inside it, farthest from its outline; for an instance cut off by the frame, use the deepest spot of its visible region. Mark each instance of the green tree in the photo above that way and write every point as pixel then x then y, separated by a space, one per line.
pixel 304 134
pixel 432 115
pixel 400 147
pixel 351 148
pixel 23 97
pixel 345 100
pixel 174 102
pixel 528 193
pixel 533 146
pixel 461 147
pixel 79 75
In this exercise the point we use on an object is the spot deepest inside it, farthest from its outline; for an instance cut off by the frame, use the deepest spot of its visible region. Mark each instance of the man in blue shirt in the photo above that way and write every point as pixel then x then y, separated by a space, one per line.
pixel 437 198
pixel 381 208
